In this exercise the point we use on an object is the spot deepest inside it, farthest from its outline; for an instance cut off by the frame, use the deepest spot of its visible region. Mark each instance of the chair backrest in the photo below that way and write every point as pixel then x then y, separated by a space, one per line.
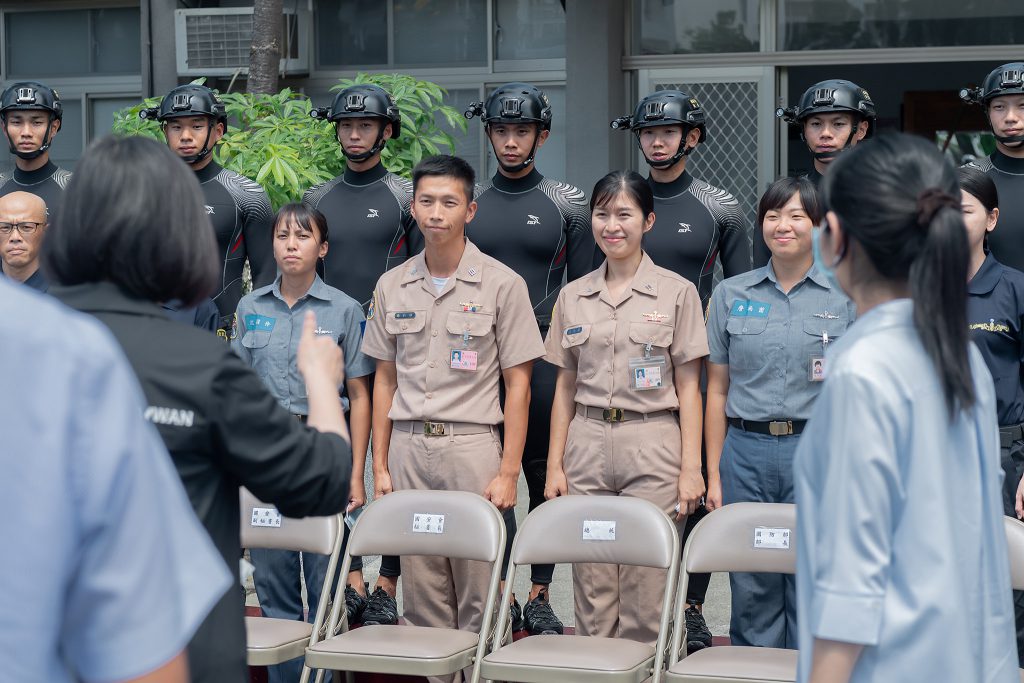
pixel 455 524
pixel 601 529
pixel 744 537
pixel 1015 546
pixel 309 534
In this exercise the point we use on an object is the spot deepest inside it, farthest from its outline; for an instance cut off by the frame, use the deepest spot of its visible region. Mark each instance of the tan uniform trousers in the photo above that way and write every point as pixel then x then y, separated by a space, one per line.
pixel 635 458
pixel 437 591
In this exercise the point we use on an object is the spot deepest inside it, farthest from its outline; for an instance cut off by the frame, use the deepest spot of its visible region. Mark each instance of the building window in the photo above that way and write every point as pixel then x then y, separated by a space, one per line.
pixel 858 24
pixel 529 29
pixel 351 32
pixel 77 43
pixel 678 27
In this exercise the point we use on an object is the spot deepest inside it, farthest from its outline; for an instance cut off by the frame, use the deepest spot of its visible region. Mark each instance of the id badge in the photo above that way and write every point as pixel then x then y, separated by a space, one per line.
pixel 816 369
pixel 646 373
pixel 463 359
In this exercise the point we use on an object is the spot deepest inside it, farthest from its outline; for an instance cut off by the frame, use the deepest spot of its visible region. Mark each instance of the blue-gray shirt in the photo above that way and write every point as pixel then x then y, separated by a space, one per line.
pixel 900 539
pixel 269 334
pixel 770 340
pixel 105 572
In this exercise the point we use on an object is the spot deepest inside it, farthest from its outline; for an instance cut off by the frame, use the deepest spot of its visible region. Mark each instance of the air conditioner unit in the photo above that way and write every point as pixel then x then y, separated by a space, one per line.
pixel 216 42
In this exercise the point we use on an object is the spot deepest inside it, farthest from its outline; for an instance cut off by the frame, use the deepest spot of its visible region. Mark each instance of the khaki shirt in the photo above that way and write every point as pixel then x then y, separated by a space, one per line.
pixel 624 355
pixel 482 317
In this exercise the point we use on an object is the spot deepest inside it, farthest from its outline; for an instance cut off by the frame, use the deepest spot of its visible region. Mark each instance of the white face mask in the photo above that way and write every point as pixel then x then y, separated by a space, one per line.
pixel 827 270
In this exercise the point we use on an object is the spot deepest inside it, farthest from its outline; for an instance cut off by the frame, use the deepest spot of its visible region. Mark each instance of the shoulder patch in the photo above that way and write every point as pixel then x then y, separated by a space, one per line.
pixel 372 308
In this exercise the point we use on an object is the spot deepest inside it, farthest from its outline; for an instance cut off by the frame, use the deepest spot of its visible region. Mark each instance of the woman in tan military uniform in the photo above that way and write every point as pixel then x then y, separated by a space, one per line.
pixel 628 340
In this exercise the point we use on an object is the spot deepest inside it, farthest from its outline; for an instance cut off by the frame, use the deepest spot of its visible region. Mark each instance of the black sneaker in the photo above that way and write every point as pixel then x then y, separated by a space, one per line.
pixel 515 614
pixel 381 609
pixel 355 604
pixel 698 636
pixel 540 618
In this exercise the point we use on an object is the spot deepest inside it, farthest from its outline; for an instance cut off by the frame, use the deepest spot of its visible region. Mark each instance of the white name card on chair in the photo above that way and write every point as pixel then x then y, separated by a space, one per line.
pixel 768 537
pixel 427 524
pixel 266 517
pixel 598 530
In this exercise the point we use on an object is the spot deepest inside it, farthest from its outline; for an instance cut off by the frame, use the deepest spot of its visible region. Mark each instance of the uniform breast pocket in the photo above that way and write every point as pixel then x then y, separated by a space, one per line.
pixel 406 326
pixel 657 335
pixel 574 338
pixel 746 342
pixel 258 346
pixel 815 330
pixel 469 330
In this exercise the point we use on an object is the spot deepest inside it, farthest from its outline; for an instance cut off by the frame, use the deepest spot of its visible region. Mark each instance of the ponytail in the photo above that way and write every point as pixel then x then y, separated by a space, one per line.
pixel 898 198
pixel 938 285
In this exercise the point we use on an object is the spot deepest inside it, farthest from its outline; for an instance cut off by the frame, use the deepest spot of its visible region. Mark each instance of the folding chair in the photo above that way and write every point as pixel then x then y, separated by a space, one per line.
pixel 1015 546
pixel 633 532
pixel 453 524
pixel 274 641
pixel 741 537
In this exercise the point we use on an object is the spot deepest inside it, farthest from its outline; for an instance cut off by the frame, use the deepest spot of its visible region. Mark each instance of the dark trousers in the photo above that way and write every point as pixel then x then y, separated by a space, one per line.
pixel 535 452
pixel 1012 461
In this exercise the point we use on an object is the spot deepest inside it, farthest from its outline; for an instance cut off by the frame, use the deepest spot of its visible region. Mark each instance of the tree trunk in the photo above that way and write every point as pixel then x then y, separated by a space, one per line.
pixel 265 53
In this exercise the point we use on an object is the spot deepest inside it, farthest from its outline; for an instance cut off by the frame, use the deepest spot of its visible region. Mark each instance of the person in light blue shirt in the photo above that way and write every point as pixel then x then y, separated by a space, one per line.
pixel 902 567
pixel 768 331
pixel 105 572
pixel 269 321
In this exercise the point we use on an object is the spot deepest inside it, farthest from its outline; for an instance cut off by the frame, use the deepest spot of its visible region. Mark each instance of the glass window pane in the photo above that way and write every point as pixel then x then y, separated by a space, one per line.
pixel 529 29
pixel 66 39
pixel 101 114
pixel 663 27
pixel 351 33
pixel 440 33
pixel 116 36
pixel 853 24
pixel 551 157
pixel 467 145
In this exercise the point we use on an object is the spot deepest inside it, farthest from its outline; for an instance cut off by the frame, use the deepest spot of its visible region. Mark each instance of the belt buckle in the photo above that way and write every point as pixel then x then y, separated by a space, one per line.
pixel 434 428
pixel 778 428
pixel 613 415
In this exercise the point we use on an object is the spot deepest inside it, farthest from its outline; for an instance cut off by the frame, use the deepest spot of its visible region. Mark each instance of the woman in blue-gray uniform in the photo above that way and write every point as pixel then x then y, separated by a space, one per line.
pixel 269 319
pixel 995 317
pixel 901 552
pixel 768 331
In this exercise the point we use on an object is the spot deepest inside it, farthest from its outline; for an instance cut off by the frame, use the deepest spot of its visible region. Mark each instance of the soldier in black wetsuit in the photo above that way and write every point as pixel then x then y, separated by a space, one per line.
pixel 372 230
pixel 540 228
pixel 1002 95
pixel 367 207
pixel 833 116
pixel 31 116
pixel 695 224
pixel 193 121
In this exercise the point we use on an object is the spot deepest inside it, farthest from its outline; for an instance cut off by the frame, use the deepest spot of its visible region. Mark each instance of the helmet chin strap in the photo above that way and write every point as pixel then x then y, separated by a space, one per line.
pixel 832 154
pixel 35 154
pixel 1013 141
pixel 378 145
pixel 683 151
pixel 522 165
pixel 193 159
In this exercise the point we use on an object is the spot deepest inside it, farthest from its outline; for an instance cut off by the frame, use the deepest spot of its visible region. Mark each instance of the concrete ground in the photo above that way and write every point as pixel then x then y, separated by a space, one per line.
pixel 716 606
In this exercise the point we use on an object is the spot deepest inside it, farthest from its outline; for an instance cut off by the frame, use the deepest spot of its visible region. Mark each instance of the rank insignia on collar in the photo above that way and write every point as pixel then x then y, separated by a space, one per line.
pixel 470 307
pixel 655 317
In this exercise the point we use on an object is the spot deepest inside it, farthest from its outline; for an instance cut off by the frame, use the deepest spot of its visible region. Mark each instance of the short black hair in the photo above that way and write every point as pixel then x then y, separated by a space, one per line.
pixel 133 215
pixel 305 217
pixel 979 185
pixel 445 165
pixel 779 192
pixel 630 183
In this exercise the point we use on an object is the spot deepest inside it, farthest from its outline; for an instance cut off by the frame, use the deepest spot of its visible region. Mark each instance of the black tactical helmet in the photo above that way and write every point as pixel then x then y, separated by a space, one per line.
pixel 666 108
pixel 514 103
pixel 1007 79
pixel 832 96
pixel 190 100
pixel 363 100
pixel 30 95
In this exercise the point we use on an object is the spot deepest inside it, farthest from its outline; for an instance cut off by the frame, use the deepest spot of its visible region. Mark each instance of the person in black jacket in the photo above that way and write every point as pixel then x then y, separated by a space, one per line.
pixel 135 234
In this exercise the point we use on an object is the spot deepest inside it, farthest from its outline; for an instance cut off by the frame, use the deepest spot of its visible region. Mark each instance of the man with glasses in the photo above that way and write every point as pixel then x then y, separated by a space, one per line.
pixel 22 225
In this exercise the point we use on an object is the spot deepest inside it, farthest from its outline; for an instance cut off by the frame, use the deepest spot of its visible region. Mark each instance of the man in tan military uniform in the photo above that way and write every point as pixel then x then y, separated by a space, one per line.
pixel 629 376
pixel 445 327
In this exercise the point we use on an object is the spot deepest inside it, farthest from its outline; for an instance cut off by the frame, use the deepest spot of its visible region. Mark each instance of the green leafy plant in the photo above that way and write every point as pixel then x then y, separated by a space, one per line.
pixel 273 140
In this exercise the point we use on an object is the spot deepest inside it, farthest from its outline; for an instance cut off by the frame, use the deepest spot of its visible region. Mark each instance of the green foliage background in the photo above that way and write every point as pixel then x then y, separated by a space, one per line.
pixel 273 139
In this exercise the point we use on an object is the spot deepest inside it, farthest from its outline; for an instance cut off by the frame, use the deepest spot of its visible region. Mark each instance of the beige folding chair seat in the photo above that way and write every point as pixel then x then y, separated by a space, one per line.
pixel 724 542
pixel 473 530
pixel 552 534
pixel 1015 547
pixel 273 641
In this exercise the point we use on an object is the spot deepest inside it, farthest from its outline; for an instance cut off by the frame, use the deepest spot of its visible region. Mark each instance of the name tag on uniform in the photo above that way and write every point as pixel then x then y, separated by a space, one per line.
pixel 574 330
pixel 771 538
pixel 742 308
pixel 646 373
pixel 463 359
pixel 405 315
pixel 262 323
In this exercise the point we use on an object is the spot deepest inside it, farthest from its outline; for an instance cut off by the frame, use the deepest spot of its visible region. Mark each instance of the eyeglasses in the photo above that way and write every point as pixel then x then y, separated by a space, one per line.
pixel 26 228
